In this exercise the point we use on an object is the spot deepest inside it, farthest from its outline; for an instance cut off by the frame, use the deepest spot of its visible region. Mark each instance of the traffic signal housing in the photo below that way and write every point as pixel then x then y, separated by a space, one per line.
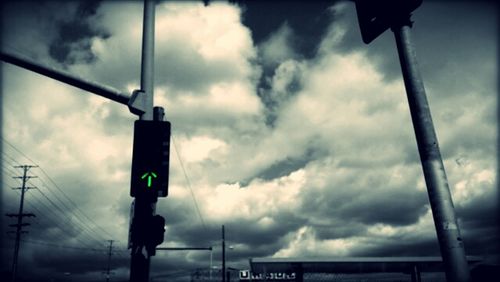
pixel 155 236
pixel 150 159
pixel 375 17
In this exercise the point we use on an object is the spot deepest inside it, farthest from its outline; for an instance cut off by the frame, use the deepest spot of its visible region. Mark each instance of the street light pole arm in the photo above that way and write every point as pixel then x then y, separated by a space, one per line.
pixel 93 87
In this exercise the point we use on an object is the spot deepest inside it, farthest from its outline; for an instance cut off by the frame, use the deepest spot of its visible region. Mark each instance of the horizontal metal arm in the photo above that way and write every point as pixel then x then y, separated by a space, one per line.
pixel 104 91
pixel 184 249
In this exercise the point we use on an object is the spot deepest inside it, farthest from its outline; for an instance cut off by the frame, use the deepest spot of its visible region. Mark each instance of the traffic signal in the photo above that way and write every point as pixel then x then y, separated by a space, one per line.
pixel 150 158
pixel 155 236
pixel 158 229
pixel 375 17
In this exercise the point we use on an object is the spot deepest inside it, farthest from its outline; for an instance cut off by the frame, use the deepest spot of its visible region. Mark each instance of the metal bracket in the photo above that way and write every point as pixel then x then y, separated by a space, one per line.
pixel 137 103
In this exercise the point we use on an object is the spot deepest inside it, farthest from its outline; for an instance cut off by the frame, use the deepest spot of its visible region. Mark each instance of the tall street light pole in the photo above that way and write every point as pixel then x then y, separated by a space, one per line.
pixel 223 255
pixel 443 212
pixel 374 18
pixel 144 205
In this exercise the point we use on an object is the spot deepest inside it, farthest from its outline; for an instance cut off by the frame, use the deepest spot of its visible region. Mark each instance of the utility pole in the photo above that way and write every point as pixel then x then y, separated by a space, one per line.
pixel 223 255
pixel 109 260
pixel 20 216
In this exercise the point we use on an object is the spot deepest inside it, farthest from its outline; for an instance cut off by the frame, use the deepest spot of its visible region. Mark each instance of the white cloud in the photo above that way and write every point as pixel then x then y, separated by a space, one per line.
pixel 278 47
pixel 305 244
pixel 255 202
pixel 199 148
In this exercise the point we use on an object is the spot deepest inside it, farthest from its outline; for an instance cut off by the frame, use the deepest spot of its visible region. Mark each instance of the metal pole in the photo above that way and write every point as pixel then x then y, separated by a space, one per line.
pixel 101 90
pixel 145 207
pixel 109 260
pixel 223 255
pixel 415 274
pixel 147 61
pixel 448 233
pixel 210 272
pixel 184 249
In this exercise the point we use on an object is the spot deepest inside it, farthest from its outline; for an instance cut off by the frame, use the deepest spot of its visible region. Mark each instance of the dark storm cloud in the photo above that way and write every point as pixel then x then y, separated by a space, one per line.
pixel 338 229
pixel 74 261
pixel 287 165
pixel 308 22
pixel 186 70
pixel 248 236
pixel 242 231
pixel 399 247
pixel 41 263
pixel 270 97
pixel 397 206
pixel 479 220
pixel 450 42
pixel 179 213
pixel 116 119
pixel 252 233
pixel 30 19
pixel 73 42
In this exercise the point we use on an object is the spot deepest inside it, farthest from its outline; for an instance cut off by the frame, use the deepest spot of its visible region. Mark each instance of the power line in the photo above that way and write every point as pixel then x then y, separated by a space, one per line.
pixel 17 150
pixel 62 246
pixel 79 217
pixel 54 215
pixel 9 157
pixel 61 226
pixel 85 228
pixel 59 208
pixel 59 214
pixel 189 185
pixel 20 215
pixel 90 233
pixel 73 203
pixel 83 222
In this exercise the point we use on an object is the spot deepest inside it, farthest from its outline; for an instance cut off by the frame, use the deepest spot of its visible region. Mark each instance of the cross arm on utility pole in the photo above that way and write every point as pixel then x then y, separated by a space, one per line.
pixel 27 177
pixel 25 188
pixel 19 224
pixel 24 214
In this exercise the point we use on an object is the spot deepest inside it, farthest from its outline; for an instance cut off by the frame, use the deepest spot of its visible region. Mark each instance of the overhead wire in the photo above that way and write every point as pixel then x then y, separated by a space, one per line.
pixel 98 238
pixel 189 185
pixel 64 246
pixel 35 223
pixel 85 225
pixel 73 203
pixel 63 226
pixel 88 239
pixel 61 191
pixel 57 187
pixel 54 215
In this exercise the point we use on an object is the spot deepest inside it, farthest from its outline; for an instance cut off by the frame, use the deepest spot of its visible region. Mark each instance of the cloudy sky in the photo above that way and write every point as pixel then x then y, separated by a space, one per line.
pixel 291 131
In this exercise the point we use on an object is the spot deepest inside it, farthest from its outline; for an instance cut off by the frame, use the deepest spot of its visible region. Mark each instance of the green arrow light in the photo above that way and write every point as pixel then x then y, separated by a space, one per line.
pixel 150 176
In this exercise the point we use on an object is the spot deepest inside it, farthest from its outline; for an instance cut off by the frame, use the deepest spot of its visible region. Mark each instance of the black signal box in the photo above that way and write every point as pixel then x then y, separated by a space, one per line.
pixel 150 159
pixel 376 16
